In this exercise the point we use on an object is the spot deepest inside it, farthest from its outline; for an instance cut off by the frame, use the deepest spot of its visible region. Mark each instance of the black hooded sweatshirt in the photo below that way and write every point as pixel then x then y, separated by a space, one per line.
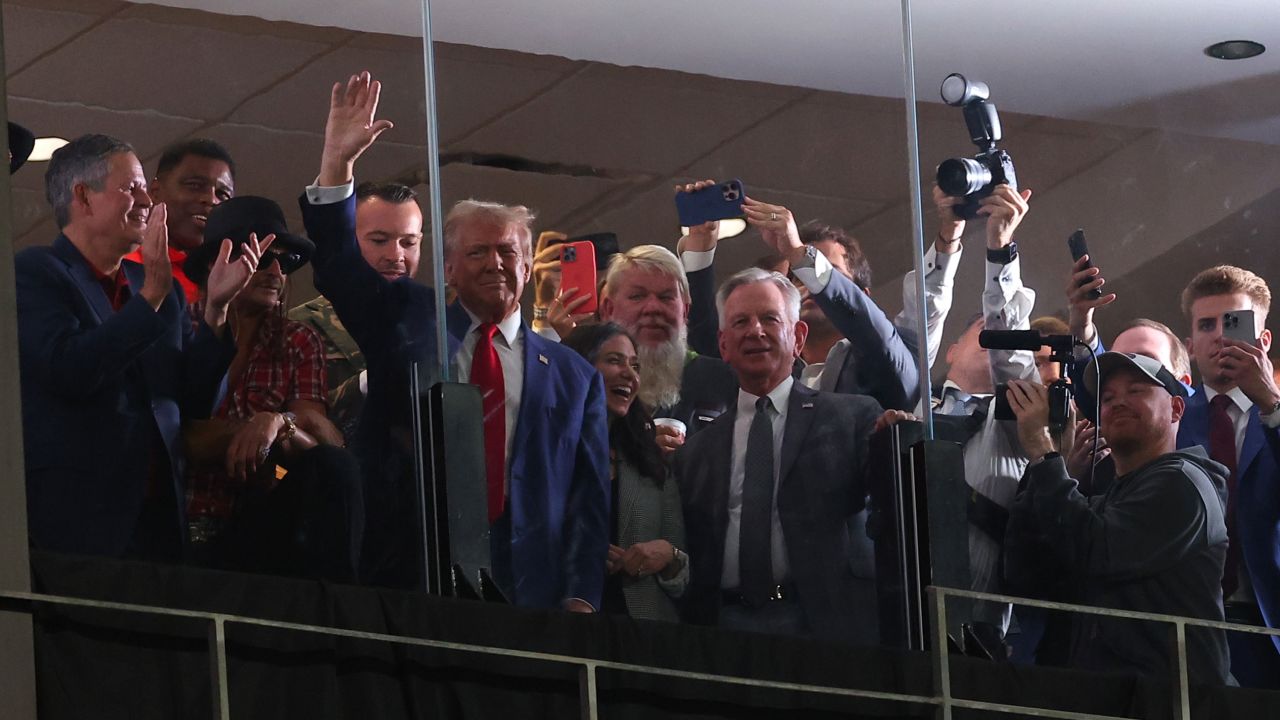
pixel 1155 542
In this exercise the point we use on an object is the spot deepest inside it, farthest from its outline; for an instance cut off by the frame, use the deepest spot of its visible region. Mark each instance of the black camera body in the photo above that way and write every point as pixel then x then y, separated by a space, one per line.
pixel 1059 404
pixel 1060 351
pixel 976 178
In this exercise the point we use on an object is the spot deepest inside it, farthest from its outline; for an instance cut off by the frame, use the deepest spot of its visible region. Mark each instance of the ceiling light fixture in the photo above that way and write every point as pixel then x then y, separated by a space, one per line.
pixel 1235 49
pixel 44 148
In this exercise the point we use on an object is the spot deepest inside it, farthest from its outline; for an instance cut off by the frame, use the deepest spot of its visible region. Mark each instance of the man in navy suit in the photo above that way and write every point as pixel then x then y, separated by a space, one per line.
pixel 545 430
pixel 768 487
pixel 1235 415
pixel 111 360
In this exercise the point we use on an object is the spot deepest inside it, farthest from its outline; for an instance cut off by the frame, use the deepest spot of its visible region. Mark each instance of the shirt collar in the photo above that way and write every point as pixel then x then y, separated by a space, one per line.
pixel 509 327
pixel 779 396
pixel 1237 396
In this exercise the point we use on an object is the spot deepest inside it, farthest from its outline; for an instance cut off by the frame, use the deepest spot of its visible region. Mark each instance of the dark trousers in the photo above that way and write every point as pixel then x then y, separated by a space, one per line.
pixel 310 524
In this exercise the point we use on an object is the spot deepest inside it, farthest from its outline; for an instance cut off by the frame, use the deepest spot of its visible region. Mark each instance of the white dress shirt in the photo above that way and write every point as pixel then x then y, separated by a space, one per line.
pixel 779 396
pixel 993 458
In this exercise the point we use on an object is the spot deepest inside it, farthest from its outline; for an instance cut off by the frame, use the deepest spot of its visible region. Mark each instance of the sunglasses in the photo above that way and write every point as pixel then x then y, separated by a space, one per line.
pixel 289 260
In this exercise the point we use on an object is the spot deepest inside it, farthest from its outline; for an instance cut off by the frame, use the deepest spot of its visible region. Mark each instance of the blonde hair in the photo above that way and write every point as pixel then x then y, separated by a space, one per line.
pixel 1227 280
pixel 647 257
pixel 1050 325
pixel 466 212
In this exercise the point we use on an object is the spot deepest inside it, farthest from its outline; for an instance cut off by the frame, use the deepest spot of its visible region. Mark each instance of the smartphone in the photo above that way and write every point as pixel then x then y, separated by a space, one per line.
pixel 1238 325
pixel 1078 250
pixel 578 270
pixel 606 246
pixel 716 202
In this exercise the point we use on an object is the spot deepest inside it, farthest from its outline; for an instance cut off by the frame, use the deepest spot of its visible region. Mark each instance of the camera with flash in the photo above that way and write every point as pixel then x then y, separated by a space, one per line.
pixel 974 179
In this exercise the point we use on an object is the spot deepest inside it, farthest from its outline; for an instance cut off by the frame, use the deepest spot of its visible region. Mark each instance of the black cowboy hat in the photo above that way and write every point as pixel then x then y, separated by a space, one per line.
pixel 235 219
pixel 21 142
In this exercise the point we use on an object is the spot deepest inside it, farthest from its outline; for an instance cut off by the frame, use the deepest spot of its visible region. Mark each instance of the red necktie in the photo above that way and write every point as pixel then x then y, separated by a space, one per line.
pixel 1222 448
pixel 486 373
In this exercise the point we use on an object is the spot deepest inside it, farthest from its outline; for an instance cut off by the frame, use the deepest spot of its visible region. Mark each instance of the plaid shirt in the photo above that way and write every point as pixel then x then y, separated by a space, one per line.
pixel 271 380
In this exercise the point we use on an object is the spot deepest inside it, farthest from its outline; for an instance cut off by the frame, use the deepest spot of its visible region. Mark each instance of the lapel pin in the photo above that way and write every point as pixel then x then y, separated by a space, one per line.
pixel 543 359
pixel 806 406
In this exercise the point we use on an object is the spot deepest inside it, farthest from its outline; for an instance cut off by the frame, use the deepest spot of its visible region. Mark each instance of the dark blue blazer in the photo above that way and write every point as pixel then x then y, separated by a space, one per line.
pixel 100 389
pixel 559 495
pixel 1257 499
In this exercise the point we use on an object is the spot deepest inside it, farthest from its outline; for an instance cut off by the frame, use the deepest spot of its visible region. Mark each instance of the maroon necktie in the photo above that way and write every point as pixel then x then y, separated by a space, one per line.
pixel 486 373
pixel 1222 448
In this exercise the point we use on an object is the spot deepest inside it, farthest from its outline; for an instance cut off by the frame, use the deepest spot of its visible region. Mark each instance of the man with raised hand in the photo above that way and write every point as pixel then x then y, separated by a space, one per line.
pixel 546 439
pixel 111 361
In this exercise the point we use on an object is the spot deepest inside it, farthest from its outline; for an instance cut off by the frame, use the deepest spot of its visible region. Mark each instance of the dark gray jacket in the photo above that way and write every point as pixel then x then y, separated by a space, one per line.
pixel 1155 542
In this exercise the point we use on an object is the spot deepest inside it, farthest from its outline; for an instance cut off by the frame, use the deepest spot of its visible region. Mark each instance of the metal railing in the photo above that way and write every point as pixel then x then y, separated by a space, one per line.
pixel 942 700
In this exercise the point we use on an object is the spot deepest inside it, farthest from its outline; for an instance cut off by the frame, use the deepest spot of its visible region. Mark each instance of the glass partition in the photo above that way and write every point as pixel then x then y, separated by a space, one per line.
pixel 1132 129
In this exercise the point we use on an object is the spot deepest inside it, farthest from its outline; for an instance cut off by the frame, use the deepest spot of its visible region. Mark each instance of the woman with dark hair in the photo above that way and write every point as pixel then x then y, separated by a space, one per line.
pixel 645 565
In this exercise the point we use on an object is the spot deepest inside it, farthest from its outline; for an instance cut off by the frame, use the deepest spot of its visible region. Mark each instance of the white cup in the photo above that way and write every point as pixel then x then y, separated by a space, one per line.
pixel 673 423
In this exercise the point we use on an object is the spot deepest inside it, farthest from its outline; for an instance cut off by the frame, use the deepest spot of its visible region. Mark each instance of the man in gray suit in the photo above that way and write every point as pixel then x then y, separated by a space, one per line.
pixel 769 486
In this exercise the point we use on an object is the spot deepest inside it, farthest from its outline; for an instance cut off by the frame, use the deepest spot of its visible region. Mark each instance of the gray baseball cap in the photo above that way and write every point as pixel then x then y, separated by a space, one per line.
pixel 1150 367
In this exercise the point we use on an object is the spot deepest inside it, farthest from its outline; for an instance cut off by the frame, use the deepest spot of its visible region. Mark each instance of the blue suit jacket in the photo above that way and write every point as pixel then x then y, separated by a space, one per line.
pixel 559 464
pixel 1257 500
pixel 99 389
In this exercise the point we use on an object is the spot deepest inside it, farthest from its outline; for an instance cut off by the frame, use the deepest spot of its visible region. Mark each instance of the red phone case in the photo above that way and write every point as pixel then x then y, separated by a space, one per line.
pixel 578 270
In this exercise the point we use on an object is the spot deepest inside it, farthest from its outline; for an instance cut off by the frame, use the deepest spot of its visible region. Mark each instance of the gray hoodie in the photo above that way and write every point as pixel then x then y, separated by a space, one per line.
pixel 1155 542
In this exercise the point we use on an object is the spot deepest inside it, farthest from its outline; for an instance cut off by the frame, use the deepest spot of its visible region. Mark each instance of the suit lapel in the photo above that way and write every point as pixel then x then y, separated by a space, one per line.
pixel 84 278
pixel 800 415
pixel 628 489
pixel 1253 442
pixel 533 396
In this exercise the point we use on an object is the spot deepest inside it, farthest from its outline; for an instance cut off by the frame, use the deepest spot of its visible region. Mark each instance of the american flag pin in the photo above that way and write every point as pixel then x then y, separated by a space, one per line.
pixel 806 406
pixel 543 359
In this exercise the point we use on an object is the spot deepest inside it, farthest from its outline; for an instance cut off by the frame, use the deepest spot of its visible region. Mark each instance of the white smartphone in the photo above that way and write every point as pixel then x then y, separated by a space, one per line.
pixel 1238 325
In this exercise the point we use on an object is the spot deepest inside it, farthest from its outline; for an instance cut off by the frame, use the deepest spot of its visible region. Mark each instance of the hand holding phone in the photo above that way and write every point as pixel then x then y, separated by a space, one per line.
pixel 1078 250
pixel 578 270
pixel 715 202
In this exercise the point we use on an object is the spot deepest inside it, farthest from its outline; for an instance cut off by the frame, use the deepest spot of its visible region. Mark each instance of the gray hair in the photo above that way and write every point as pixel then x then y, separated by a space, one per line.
pixel 753 275
pixel 81 161
pixel 647 257
pixel 465 212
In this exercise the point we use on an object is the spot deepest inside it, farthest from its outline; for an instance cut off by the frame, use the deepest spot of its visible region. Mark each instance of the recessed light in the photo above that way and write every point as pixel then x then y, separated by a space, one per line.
pixel 1235 49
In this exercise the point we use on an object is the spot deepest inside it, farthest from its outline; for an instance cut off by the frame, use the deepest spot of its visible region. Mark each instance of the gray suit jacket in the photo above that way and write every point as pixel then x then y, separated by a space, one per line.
pixel 648 512
pixel 822 484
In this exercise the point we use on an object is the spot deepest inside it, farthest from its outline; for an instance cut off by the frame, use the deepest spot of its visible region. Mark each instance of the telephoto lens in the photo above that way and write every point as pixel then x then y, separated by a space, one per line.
pixel 959 177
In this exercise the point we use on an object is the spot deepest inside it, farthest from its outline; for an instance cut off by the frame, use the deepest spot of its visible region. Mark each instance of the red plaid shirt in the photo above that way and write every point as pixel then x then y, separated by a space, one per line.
pixel 272 378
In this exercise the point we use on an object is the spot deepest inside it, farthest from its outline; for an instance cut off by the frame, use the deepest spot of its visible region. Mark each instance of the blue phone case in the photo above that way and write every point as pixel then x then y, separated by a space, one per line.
pixel 718 202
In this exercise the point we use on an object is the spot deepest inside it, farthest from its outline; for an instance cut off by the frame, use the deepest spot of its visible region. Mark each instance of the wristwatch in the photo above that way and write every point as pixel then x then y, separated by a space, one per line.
pixel 808 259
pixel 539 312
pixel 1004 255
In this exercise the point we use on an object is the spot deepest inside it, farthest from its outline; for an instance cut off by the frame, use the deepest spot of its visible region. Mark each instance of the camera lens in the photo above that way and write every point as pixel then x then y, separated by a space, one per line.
pixel 958 177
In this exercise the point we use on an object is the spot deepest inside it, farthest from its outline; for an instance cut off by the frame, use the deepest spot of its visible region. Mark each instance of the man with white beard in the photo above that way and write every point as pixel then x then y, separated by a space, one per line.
pixel 646 292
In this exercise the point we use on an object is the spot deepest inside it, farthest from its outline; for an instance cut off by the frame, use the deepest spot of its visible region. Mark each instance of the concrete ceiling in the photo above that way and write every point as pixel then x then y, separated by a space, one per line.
pixel 1136 63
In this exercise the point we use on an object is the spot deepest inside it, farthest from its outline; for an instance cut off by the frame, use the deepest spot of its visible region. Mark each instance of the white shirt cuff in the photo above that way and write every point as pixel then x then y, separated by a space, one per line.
pixel 816 277
pixel 318 194
pixel 946 263
pixel 1272 421
pixel 695 260
pixel 549 333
